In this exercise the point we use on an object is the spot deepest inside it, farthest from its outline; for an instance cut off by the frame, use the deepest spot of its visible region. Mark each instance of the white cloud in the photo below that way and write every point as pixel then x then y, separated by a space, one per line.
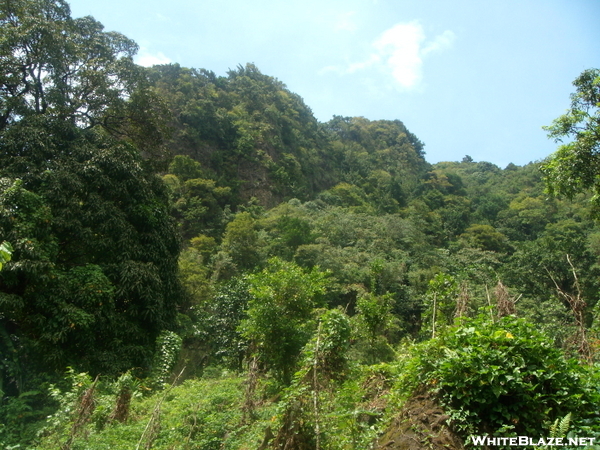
pixel 147 59
pixel 400 49
pixel 441 42
pixel 162 18
pixel 399 52
pixel 373 60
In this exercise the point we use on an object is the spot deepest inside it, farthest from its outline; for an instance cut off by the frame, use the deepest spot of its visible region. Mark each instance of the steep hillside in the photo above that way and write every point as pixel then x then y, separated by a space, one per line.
pixel 251 134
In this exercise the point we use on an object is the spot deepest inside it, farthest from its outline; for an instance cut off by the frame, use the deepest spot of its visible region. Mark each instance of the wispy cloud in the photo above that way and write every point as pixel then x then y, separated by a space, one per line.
pixel 147 59
pixel 441 42
pixel 399 52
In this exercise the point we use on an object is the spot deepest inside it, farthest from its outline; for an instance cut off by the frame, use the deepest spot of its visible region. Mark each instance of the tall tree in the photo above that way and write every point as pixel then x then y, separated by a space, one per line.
pixel 93 277
pixel 576 164
pixel 53 63
pixel 72 71
pixel 283 297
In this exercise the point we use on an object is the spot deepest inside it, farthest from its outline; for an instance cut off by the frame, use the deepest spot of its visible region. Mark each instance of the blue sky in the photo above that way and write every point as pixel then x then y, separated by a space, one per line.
pixel 468 77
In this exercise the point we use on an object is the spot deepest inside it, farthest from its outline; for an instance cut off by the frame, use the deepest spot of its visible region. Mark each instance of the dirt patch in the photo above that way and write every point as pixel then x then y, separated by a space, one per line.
pixel 422 424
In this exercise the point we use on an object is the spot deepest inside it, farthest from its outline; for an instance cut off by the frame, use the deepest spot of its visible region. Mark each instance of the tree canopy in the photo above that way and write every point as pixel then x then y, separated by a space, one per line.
pixel 575 166
pixel 93 278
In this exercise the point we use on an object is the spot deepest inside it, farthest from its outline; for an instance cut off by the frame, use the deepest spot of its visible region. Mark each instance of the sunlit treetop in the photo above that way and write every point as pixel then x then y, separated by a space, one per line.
pixel 575 166
pixel 50 62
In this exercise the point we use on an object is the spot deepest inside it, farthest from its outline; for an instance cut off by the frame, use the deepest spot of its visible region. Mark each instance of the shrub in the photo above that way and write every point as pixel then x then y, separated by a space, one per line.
pixel 503 377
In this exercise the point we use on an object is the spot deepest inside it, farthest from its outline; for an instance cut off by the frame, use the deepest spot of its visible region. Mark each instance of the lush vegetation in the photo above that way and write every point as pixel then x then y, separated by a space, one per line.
pixel 194 261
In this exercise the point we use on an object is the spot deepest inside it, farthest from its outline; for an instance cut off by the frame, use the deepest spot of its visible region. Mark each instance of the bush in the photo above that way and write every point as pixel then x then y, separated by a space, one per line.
pixel 503 377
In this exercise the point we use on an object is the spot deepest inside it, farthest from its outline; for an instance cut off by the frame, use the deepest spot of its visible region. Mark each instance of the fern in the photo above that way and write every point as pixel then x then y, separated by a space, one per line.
pixel 560 429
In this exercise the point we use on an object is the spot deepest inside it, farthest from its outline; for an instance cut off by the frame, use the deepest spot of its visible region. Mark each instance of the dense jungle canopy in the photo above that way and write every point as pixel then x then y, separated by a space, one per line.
pixel 199 246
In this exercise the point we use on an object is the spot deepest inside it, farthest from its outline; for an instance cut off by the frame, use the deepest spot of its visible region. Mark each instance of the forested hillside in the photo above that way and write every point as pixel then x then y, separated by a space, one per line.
pixel 193 261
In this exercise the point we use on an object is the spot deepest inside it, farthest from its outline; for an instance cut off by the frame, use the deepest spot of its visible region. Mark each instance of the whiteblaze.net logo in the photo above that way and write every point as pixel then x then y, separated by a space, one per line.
pixel 525 441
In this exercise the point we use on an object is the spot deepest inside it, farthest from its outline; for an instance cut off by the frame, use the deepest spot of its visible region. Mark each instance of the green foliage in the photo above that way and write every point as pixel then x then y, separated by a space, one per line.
pixel 560 428
pixel 22 417
pixel 485 237
pixel 574 166
pixel 280 313
pixel 199 204
pixel 327 352
pixel 83 406
pixel 71 72
pixel 526 217
pixel 194 275
pixel 226 312
pixel 253 135
pixel 538 267
pixel 77 408
pixel 110 217
pixel 375 312
pixel 347 195
pixel 503 377
pixel 261 139
pixel 5 253
pixel 197 415
pixel 240 242
pixel 380 163
pixel 48 64
pixel 376 327
pixel 327 405
pixel 351 215
pixel 185 168
pixel 293 232
pixel 168 345
pixel 92 280
pixel 440 302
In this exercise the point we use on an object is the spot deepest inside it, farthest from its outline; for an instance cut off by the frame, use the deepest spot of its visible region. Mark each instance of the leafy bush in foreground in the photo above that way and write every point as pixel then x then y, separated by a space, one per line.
pixel 504 377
